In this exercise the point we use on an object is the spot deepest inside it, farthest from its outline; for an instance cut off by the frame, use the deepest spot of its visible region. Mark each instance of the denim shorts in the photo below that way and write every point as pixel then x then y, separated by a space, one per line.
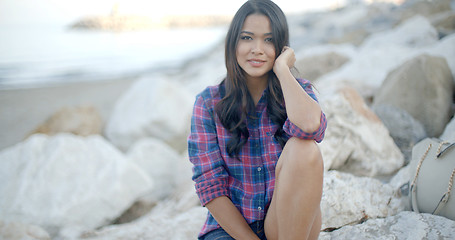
pixel 220 234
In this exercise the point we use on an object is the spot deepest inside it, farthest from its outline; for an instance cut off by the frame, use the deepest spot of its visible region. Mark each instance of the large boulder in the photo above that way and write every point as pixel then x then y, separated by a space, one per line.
pixel 165 167
pixel 423 86
pixel 356 141
pixel 312 67
pixel 79 120
pixel 405 225
pixel 403 128
pixel 158 108
pixel 347 199
pixel 163 164
pixel 67 181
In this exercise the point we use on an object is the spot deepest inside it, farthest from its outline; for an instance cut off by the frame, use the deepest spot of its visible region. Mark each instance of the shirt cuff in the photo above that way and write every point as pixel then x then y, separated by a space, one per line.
pixel 294 131
pixel 208 190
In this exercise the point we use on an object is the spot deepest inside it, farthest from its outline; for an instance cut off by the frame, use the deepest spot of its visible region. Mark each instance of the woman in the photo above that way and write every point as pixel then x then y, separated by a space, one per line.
pixel 257 167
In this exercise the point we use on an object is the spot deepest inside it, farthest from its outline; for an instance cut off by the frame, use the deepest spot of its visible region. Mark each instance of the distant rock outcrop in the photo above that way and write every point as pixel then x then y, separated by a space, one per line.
pixel 132 22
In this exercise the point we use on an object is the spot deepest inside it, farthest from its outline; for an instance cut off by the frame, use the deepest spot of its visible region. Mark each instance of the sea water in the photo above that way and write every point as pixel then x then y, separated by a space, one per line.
pixel 41 55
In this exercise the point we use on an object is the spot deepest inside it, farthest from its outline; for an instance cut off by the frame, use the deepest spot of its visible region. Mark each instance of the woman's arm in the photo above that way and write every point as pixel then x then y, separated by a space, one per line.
pixel 302 109
pixel 209 173
pixel 230 219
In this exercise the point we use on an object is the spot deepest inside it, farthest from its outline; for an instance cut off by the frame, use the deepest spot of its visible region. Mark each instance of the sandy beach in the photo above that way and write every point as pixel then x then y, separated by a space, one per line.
pixel 23 109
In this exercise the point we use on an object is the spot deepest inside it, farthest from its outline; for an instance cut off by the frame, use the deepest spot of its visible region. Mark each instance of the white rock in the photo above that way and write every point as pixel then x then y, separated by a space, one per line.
pixel 366 71
pixel 381 53
pixel 20 231
pixel 179 217
pixel 405 225
pixel 343 18
pixel 67 180
pixel 415 32
pixel 347 199
pixel 157 107
pixel 356 140
pixel 163 164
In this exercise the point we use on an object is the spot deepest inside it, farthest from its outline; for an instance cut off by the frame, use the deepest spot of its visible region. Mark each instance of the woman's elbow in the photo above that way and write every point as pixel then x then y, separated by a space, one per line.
pixel 312 125
pixel 308 125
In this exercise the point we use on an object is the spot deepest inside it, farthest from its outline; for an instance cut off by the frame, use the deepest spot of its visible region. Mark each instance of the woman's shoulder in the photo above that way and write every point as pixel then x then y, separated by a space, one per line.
pixel 210 96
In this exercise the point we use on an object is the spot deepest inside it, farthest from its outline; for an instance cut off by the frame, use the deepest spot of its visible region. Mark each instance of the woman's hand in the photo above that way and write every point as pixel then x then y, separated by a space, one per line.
pixel 285 61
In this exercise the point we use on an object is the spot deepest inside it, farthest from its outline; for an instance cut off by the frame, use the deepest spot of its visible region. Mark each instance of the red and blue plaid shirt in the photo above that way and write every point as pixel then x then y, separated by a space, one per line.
pixel 249 183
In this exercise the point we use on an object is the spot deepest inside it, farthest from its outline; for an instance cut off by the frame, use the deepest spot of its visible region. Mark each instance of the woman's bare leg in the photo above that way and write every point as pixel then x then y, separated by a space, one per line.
pixel 294 212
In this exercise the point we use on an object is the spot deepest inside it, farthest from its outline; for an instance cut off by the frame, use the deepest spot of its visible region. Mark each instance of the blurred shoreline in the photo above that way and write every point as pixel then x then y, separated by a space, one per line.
pixel 62 55
pixel 23 109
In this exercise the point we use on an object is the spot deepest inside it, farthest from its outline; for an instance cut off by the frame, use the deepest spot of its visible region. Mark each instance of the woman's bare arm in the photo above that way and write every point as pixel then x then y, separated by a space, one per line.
pixel 302 109
pixel 230 219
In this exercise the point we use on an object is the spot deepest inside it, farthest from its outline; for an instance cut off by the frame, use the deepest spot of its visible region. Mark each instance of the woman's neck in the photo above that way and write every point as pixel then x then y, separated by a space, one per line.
pixel 256 87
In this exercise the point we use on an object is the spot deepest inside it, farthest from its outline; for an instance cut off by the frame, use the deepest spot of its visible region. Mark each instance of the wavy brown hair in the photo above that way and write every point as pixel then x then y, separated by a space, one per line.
pixel 236 100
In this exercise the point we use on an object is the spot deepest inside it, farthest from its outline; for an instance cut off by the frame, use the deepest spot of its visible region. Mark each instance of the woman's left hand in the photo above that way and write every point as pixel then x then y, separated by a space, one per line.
pixel 286 60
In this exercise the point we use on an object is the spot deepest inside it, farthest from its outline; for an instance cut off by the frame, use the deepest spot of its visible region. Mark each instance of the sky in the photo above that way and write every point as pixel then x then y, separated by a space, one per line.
pixel 24 12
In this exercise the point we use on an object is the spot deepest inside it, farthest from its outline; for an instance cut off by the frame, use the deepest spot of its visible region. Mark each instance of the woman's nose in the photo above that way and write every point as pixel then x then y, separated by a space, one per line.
pixel 257 47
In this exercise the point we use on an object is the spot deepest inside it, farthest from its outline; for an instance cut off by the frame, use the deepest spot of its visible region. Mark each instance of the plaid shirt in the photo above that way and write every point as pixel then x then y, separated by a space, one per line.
pixel 250 182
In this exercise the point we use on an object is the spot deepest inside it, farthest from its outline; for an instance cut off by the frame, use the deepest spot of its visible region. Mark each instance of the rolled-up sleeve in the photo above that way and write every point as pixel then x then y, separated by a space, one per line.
pixel 292 130
pixel 209 173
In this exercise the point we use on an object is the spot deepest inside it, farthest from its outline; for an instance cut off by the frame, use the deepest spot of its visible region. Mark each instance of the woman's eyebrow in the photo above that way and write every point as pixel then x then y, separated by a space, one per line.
pixel 250 33
pixel 246 32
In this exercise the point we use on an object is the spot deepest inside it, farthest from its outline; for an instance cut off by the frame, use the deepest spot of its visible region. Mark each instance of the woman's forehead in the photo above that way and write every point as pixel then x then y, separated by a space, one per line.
pixel 257 24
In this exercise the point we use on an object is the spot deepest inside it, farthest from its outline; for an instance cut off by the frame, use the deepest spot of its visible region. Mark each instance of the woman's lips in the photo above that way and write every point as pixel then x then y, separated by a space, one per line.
pixel 256 62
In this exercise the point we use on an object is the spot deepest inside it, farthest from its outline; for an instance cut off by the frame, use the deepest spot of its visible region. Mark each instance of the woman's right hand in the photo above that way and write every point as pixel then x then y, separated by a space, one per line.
pixel 285 60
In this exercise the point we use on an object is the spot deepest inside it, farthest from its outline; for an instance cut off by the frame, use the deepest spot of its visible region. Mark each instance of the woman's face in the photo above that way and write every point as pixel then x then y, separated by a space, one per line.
pixel 255 50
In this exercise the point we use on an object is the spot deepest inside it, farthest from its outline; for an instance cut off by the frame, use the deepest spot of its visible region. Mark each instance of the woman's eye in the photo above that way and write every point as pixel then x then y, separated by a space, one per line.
pixel 269 39
pixel 245 37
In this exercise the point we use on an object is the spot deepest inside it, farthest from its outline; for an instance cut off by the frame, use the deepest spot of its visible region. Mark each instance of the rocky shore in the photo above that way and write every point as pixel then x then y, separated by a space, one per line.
pixel 384 76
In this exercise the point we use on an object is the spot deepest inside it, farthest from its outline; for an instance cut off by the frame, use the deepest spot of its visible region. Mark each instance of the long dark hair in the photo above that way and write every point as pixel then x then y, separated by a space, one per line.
pixel 233 108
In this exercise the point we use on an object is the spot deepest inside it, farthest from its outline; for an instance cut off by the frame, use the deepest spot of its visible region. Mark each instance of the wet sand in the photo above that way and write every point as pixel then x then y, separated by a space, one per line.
pixel 22 110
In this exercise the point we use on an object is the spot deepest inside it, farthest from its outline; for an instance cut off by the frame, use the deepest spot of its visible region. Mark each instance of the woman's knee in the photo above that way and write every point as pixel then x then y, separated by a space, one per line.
pixel 300 153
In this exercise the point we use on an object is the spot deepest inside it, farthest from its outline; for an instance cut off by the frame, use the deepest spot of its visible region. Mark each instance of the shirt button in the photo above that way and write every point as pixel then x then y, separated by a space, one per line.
pixel 259 169
pixel 259 208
